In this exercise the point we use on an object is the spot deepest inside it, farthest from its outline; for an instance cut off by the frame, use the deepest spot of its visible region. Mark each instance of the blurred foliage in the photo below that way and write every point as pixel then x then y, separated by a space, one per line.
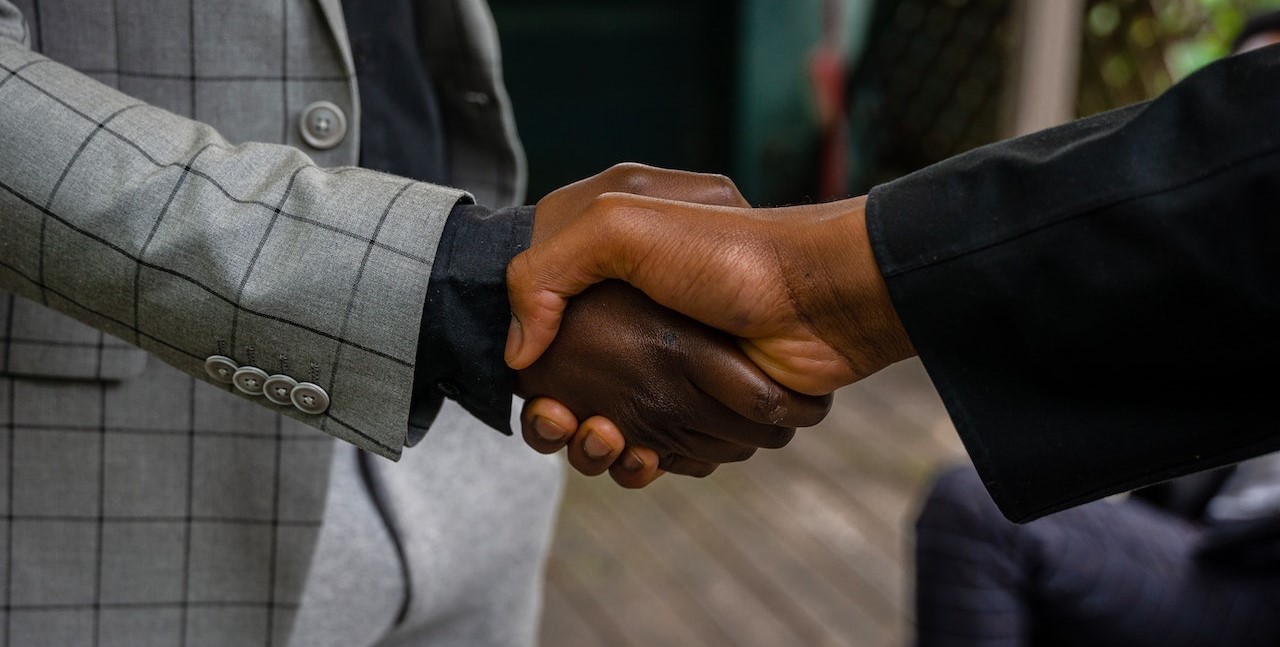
pixel 1135 49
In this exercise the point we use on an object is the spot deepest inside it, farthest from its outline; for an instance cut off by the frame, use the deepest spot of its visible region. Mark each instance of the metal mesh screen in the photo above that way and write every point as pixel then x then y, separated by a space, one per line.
pixel 929 85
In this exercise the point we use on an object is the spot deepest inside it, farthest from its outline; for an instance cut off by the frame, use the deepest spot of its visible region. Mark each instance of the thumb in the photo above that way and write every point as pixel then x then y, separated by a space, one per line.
pixel 535 312
pixel 607 242
pixel 540 281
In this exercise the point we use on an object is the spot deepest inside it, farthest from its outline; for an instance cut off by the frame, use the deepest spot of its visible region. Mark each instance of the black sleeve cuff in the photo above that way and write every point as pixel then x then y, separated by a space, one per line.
pixel 1087 299
pixel 466 316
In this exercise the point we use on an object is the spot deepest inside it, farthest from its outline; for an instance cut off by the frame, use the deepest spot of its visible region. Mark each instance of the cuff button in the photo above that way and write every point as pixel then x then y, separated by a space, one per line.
pixel 277 388
pixel 448 388
pixel 309 398
pixel 221 369
pixel 249 379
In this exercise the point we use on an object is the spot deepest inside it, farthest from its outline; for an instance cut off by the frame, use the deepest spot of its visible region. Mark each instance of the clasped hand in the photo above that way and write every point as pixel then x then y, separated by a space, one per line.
pixel 767 311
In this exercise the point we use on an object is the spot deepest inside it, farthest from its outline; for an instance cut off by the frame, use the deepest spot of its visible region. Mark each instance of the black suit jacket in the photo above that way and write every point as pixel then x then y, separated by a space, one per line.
pixel 1099 304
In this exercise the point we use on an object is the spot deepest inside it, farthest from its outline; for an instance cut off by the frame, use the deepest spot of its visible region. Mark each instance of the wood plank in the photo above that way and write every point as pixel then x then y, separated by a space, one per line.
pixel 564 620
pixel 808 545
pixel 672 532
pixel 637 587
pixel 756 542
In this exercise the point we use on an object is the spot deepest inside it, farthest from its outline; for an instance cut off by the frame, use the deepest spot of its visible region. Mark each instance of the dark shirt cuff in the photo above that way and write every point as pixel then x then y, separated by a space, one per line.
pixel 466 316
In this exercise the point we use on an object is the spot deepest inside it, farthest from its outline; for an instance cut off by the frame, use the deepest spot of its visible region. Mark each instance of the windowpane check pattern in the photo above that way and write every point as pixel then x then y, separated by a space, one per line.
pixel 198 247
pixel 195 519
pixel 145 228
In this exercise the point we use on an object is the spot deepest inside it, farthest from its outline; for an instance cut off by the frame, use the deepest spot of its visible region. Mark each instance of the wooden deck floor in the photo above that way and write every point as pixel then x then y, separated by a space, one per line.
pixel 807 545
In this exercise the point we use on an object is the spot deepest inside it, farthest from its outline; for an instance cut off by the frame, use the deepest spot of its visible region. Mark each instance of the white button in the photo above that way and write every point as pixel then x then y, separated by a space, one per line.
pixel 249 379
pixel 278 387
pixel 322 125
pixel 220 368
pixel 309 398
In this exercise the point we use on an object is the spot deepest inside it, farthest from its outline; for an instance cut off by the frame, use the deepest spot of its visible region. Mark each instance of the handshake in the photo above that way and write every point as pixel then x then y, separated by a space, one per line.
pixel 736 325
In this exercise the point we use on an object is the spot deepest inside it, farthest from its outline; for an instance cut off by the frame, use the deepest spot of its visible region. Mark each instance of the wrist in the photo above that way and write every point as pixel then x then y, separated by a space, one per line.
pixel 847 302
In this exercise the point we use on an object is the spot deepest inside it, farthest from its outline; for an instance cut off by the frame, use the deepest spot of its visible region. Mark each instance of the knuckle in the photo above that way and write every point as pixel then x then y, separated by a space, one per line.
pixel 703 470
pixel 628 480
pixel 769 404
pixel 779 437
pixel 725 191
pixel 629 177
pixel 609 207
pixel 517 272
pixel 674 442
pixel 809 410
pixel 680 465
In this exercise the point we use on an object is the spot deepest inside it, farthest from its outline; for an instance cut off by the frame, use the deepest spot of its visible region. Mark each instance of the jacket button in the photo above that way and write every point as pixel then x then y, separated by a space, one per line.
pixel 221 369
pixel 249 379
pixel 322 125
pixel 309 398
pixel 278 387
pixel 448 388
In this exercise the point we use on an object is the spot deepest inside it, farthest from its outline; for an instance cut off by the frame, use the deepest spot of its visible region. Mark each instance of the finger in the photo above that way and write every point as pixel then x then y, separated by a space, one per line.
pixel 732 428
pixel 801 372
pixel 596 446
pixel 547 425
pixel 637 468
pixel 728 375
pixel 719 434
pixel 687 466
pixel 693 444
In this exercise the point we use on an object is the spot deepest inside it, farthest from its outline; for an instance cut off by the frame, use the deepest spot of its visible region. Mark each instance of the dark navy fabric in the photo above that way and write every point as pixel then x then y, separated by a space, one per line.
pixel 1107 573
pixel 401 130
pixel 466 313
pixel 467 306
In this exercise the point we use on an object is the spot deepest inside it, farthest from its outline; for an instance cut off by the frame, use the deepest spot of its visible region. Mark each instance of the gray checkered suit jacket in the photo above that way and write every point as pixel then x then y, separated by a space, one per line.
pixel 158 202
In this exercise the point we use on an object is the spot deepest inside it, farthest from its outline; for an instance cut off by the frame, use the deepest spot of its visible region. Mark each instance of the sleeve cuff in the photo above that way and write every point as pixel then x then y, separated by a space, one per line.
pixel 466 316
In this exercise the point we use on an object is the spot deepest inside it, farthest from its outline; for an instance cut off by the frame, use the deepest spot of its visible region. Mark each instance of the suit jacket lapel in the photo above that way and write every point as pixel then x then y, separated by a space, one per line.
pixel 333 15
pixel 332 10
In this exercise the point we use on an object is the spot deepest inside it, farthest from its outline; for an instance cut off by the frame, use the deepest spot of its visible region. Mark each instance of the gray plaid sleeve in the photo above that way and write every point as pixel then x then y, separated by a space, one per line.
pixel 152 228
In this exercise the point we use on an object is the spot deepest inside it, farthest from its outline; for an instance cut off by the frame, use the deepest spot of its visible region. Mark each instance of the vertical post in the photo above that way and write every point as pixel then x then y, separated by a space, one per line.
pixel 1048 65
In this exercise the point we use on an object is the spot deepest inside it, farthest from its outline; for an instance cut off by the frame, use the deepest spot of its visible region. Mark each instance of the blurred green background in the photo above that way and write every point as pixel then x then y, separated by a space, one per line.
pixel 708 85
pixel 727 86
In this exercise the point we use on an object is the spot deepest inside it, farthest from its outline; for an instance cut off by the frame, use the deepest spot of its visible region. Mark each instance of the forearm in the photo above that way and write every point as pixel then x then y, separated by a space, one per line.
pixel 831 273
pixel 153 228
pixel 1082 292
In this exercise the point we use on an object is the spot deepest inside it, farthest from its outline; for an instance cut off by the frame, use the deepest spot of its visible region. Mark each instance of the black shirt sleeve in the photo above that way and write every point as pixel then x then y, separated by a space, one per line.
pixel 466 316
pixel 1098 304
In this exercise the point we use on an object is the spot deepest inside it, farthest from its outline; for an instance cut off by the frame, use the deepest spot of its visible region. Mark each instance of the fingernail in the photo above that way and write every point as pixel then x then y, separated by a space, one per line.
pixel 515 339
pixel 595 447
pixel 548 430
pixel 632 463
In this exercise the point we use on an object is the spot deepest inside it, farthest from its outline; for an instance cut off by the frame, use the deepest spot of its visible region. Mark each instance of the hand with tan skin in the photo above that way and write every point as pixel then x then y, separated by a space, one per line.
pixel 798 286
pixel 674 394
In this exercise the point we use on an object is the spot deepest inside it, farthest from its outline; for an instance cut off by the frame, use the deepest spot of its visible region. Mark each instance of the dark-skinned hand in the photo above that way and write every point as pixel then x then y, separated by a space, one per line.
pixel 597 443
pixel 668 383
